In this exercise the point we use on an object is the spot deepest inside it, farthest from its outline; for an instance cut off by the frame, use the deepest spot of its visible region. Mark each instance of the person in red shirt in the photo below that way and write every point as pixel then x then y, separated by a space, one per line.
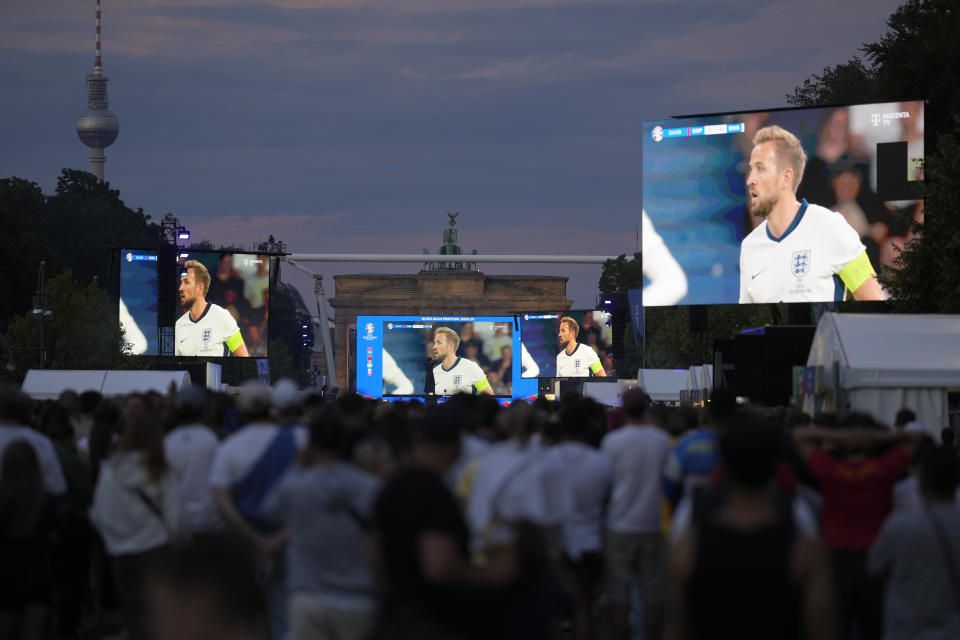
pixel 856 469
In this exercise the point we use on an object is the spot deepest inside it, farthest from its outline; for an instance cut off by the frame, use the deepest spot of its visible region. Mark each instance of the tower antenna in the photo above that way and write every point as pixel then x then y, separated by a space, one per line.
pixel 98 127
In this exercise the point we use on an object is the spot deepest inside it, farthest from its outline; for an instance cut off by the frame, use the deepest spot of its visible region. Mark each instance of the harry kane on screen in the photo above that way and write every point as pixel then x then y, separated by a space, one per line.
pixel 206 329
pixel 455 374
pixel 575 360
pixel 801 252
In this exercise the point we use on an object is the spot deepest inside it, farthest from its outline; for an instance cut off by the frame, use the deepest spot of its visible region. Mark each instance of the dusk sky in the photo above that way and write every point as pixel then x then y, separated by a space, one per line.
pixel 353 126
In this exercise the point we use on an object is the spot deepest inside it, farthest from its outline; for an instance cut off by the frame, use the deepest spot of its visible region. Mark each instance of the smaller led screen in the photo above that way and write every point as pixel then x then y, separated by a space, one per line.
pixel 415 356
pixel 575 344
pixel 230 316
pixel 138 301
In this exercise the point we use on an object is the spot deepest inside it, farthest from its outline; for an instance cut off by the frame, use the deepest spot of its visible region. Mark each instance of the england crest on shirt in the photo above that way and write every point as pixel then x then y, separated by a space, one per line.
pixel 207 333
pixel 457 380
pixel 576 364
pixel 800 263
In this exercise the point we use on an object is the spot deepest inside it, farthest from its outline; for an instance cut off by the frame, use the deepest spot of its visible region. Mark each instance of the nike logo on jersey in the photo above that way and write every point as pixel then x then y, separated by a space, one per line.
pixel 757 273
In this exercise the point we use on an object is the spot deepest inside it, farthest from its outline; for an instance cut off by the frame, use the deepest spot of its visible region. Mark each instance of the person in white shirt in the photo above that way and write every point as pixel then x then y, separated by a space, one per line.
pixel 137 511
pixel 246 467
pixel 590 473
pixel 15 409
pixel 801 252
pixel 635 545
pixel 190 448
pixel 575 360
pixel 455 374
pixel 206 327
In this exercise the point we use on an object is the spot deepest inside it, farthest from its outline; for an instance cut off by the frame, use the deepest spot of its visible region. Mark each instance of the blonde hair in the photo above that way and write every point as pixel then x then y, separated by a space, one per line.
pixel 573 324
pixel 788 150
pixel 200 274
pixel 451 336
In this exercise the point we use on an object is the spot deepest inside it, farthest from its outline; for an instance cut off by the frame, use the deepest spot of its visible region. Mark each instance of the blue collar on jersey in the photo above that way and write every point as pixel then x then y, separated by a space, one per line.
pixel 574 350
pixel 205 309
pixel 793 225
pixel 451 366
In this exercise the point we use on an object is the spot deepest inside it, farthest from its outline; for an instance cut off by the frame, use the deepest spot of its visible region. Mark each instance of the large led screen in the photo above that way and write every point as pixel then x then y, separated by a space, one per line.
pixel 854 202
pixel 418 356
pixel 574 344
pixel 221 303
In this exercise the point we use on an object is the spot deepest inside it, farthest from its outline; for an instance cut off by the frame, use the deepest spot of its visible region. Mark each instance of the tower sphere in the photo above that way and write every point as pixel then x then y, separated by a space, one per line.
pixel 98 128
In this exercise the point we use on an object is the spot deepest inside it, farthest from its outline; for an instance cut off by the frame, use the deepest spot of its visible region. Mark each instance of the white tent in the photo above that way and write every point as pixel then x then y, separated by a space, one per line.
pixel 43 384
pixel 888 362
pixel 663 385
pixel 46 384
pixel 699 383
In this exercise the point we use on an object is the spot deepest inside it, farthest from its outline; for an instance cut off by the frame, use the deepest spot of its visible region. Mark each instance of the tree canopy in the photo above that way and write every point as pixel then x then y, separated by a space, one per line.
pixel 74 228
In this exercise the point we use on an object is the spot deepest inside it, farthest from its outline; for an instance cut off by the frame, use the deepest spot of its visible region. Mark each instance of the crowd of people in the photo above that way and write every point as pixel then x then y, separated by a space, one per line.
pixel 273 513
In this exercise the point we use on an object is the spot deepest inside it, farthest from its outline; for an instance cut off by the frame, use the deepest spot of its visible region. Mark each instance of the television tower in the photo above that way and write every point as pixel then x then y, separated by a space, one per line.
pixel 98 126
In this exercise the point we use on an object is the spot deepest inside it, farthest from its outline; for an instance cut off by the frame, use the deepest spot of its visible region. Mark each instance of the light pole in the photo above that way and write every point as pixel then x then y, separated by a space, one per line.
pixel 40 309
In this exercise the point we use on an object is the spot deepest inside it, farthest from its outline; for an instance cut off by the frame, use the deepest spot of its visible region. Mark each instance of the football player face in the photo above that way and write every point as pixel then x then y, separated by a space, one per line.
pixel 565 334
pixel 189 288
pixel 441 347
pixel 764 180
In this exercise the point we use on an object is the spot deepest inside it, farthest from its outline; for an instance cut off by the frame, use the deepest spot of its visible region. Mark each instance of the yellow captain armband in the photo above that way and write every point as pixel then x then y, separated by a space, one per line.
pixel 481 384
pixel 234 341
pixel 596 367
pixel 856 272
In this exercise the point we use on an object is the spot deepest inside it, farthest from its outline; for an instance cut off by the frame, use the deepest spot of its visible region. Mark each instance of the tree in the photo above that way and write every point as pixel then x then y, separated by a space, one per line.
pixel 21 247
pixel 82 332
pixel 929 278
pixel 75 228
pixel 618 276
pixel 918 58
pixel 672 345
pixel 843 84
pixel 85 218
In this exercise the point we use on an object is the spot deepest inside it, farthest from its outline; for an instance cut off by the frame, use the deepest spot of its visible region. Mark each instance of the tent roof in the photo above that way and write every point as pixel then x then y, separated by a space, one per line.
pixel 890 349
pixel 118 383
pixel 45 384
pixel 663 385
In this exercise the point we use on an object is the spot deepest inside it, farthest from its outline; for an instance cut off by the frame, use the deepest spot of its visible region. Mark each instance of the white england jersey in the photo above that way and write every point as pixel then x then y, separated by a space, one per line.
pixel 578 364
pixel 206 335
pixel 461 377
pixel 803 264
